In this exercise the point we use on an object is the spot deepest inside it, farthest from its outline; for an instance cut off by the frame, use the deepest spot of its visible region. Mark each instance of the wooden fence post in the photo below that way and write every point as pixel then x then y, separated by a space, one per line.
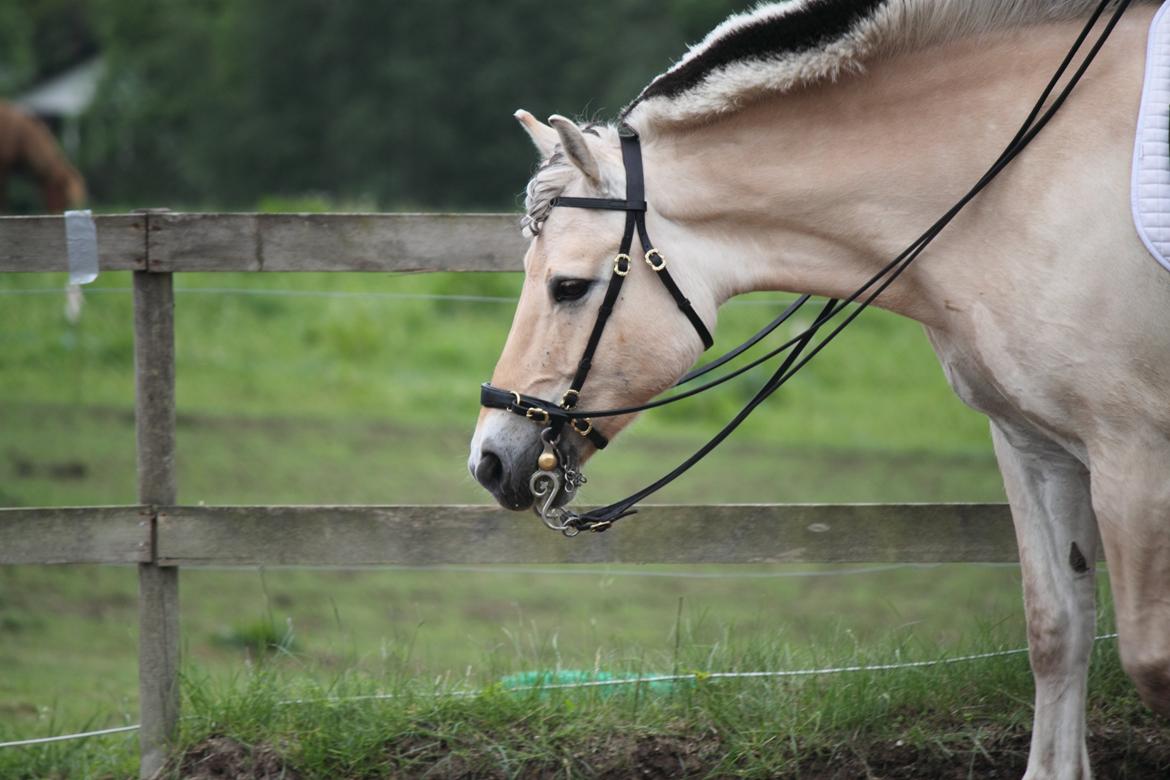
pixel 158 587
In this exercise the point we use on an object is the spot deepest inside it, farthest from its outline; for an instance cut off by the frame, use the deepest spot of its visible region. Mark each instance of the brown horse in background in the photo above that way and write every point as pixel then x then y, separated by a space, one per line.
pixel 27 146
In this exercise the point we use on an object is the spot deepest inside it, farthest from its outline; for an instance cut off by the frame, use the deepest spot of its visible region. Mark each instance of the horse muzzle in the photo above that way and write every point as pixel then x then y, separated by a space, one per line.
pixel 504 458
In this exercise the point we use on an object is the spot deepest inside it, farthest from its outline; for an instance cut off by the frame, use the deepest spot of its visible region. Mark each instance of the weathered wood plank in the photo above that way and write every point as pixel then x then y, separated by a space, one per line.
pixel 154 390
pixel 158 587
pixel 38 243
pixel 336 242
pixel 372 535
pixel 107 534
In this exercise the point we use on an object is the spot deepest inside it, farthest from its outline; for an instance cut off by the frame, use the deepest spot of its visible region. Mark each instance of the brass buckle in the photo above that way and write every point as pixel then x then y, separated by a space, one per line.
pixel 532 414
pixel 588 429
pixel 617 264
pixel 570 393
pixel 661 260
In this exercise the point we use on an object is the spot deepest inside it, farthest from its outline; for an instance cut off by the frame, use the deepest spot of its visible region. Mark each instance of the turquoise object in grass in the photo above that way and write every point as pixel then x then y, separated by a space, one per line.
pixel 547 679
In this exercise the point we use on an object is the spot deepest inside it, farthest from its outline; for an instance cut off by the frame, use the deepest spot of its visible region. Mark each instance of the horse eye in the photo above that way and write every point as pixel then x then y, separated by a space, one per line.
pixel 570 289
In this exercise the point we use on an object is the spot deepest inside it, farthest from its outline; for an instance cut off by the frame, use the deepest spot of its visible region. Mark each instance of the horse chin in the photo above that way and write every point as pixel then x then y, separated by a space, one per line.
pixel 517 495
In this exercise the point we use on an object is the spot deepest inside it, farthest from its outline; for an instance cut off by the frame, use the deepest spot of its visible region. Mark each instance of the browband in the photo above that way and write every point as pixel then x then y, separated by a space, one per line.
pixel 612 204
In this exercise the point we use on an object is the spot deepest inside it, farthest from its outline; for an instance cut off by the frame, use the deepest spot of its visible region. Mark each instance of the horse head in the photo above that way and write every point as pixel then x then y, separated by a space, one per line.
pixel 646 344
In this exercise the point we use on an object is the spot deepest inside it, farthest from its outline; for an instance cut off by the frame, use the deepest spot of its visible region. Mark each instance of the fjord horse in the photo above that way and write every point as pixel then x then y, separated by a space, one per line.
pixel 800 147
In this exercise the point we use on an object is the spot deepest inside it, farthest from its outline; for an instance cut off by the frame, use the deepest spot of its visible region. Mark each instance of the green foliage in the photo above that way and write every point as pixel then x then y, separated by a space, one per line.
pixel 39 38
pixel 261 637
pixel 16 54
pixel 404 104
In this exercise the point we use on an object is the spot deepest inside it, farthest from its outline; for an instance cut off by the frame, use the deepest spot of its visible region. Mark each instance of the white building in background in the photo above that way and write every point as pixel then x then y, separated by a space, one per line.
pixel 63 98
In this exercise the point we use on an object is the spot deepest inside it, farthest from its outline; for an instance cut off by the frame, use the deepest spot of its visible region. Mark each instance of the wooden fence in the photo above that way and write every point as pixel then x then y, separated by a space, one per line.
pixel 161 536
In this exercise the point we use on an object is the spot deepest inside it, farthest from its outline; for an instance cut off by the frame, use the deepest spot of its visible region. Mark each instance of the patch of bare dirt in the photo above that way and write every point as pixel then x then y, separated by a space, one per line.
pixel 657 757
pixel 223 758
pixel 1118 753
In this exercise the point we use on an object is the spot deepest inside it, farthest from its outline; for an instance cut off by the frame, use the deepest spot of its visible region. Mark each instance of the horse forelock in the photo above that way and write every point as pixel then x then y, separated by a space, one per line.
pixel 550 181
pixel 784 46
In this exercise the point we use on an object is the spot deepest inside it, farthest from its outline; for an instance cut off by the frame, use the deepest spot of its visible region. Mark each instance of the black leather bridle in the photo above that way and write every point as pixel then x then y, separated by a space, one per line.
pixel 556 416
pixel 548 485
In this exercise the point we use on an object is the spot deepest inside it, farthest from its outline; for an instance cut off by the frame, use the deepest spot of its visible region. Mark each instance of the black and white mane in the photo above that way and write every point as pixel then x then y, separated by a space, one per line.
pixel 780 47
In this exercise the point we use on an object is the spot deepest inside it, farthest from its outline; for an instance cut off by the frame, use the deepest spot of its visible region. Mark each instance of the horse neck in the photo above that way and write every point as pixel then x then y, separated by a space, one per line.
pixel 815 190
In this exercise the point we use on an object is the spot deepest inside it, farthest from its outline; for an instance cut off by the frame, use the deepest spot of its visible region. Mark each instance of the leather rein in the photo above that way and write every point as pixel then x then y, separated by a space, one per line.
pixel 555 482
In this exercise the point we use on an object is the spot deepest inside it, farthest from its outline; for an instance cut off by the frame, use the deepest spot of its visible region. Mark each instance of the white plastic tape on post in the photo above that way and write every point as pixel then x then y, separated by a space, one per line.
pixel 81 243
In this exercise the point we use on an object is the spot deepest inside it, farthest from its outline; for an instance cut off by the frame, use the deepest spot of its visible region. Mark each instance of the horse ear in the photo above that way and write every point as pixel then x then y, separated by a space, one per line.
pixel 576 149
pixel 543 137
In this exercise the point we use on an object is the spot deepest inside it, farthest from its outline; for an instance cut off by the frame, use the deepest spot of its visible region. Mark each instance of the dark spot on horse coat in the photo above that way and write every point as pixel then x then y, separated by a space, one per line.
pixel 1076 559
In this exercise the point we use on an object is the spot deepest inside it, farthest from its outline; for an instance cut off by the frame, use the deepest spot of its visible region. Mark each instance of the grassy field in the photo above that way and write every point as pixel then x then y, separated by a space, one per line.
pixel 297 388
pixel 351 389
pixel 285 717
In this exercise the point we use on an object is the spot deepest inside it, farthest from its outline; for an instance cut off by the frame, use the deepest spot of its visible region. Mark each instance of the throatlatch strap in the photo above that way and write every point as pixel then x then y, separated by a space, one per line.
pixel 636 191
pixel 684 305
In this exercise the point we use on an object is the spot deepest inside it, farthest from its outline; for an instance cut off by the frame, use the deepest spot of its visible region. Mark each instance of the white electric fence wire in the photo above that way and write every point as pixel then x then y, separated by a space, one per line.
pixel 64 737
pixel 573 570
pixel 698 676
pixel 671 574
pixel 694 676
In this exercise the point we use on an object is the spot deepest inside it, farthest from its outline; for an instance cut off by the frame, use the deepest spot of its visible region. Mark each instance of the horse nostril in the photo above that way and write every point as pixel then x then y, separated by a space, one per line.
pixel 490 470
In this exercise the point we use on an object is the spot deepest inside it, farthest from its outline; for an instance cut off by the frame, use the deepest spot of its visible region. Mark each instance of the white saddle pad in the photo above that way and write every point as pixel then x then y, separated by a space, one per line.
pixel 1150 191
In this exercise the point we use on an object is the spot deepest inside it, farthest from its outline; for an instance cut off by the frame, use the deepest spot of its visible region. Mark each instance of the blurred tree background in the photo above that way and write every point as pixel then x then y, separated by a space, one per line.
pixel 386 105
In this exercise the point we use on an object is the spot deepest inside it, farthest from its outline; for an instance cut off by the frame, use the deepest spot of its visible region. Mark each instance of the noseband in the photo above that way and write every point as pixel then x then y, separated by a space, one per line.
pixel 548 485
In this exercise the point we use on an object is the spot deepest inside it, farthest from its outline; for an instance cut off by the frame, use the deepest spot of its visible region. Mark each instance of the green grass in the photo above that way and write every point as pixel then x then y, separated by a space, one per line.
pixel 970 715
pixel 462 621
pixel 369 397
pixel 274 353
pixel 286 399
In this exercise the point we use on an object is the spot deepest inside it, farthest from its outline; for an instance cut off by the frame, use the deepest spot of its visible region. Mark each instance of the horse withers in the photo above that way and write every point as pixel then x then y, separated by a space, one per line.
pixel 798 148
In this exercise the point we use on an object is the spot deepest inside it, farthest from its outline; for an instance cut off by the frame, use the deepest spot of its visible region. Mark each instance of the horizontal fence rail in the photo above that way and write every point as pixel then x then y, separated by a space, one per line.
pixel 165 242
pixel 38 243
pixel 97 534
pixel 343 536
pixel 435 534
